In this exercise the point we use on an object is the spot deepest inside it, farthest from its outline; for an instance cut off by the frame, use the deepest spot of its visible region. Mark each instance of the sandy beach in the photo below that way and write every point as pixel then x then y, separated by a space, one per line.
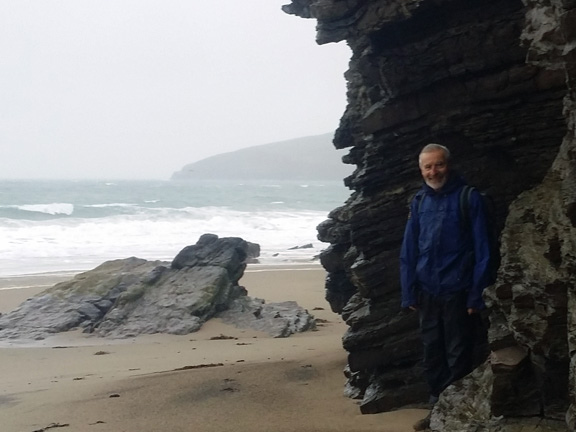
pixel 215 380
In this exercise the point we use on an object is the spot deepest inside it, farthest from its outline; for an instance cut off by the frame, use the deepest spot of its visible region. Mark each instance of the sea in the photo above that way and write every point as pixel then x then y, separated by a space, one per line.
pixel 65 226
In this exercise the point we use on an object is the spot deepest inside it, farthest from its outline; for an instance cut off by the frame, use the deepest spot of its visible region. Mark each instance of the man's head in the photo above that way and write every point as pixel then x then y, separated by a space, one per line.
pixel 434 163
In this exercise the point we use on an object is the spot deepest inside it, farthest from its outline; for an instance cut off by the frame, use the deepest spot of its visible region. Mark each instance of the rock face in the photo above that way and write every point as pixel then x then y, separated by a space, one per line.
pixel 494 80
pixel 124 298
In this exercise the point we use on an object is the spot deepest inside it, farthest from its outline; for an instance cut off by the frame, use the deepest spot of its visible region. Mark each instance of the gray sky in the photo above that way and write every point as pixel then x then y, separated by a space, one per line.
pixel 140 88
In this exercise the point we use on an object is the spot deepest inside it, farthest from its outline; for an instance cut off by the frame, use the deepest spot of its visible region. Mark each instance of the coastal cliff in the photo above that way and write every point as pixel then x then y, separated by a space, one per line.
pixel 495 81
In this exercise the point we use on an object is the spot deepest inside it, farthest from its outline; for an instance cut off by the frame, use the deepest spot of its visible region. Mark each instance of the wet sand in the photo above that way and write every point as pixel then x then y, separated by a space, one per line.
pixel 250 382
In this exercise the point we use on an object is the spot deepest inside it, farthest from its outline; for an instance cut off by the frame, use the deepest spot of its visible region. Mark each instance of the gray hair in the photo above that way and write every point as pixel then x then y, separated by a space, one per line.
pixel 432 147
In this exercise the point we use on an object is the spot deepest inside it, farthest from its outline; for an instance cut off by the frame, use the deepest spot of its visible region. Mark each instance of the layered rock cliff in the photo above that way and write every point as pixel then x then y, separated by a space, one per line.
pixel 494 80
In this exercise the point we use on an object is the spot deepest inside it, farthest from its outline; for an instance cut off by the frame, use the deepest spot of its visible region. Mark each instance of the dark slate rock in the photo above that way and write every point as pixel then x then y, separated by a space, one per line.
pixel 179 303
pixel 305 246
pixel 277 319
pixel 229 252
pixel 81 302
pixel 515 392
pixel 253 252
pixel 495 82
pixel 125 298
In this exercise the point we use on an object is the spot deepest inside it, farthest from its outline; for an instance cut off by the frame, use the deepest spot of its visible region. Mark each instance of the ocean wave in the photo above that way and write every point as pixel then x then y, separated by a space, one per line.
pixel 73 242
pixel 47 226
pixel 110 205
pixel 270 210
pixel 53 209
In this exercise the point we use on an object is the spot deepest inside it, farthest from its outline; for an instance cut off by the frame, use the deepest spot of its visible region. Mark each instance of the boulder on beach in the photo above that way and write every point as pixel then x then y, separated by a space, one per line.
pixel 132 296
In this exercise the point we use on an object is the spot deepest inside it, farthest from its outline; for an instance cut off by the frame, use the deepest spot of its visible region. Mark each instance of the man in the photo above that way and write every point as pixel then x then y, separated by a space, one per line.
pixel 443 270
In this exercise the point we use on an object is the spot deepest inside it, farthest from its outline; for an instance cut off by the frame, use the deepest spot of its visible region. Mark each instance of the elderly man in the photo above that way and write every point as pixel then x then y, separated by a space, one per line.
pixel 444 267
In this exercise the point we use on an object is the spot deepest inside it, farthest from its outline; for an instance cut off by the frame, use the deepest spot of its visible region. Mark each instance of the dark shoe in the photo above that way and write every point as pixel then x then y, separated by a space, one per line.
pixel 423 424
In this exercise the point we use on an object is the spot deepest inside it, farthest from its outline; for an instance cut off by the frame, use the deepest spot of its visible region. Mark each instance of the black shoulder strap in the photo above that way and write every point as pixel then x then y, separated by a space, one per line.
pixel 465 194
pixel 420 197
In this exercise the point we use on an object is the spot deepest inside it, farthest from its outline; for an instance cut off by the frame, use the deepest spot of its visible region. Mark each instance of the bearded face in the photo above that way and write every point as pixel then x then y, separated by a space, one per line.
pixel 434 168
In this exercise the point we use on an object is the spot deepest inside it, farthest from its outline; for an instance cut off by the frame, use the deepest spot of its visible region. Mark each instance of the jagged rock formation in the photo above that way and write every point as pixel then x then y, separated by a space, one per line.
pixel 494 80
pixel 125 298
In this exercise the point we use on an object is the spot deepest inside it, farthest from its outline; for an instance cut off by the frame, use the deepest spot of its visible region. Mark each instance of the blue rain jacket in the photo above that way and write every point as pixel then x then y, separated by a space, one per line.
pixel 438 254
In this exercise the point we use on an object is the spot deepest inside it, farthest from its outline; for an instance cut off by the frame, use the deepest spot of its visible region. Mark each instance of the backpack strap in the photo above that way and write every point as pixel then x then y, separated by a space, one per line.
pixel 465 194
pixel 420 197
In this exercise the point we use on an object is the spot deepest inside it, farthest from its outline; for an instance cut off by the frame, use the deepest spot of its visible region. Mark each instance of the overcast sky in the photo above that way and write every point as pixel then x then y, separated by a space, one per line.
pixel 139 88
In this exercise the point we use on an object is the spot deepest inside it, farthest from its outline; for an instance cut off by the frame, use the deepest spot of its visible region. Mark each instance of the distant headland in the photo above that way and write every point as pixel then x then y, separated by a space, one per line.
pixel 306 158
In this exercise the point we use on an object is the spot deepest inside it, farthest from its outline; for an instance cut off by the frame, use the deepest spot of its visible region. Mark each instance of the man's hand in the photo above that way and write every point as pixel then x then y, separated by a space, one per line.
pixel 472 311
pixel 413 308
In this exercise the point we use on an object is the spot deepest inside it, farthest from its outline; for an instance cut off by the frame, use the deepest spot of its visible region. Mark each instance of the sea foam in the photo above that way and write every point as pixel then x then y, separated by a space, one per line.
pixel 51 209
pixel 69 226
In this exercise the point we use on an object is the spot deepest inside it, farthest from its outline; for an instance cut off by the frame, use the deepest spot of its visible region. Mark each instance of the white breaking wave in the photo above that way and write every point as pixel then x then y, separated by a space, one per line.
pixel 79 225
pixel 51 209
pixel 81 244
pixel 110 205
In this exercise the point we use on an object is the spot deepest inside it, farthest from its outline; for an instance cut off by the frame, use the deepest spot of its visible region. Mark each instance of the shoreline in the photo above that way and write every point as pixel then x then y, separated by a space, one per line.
pixel 59 276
